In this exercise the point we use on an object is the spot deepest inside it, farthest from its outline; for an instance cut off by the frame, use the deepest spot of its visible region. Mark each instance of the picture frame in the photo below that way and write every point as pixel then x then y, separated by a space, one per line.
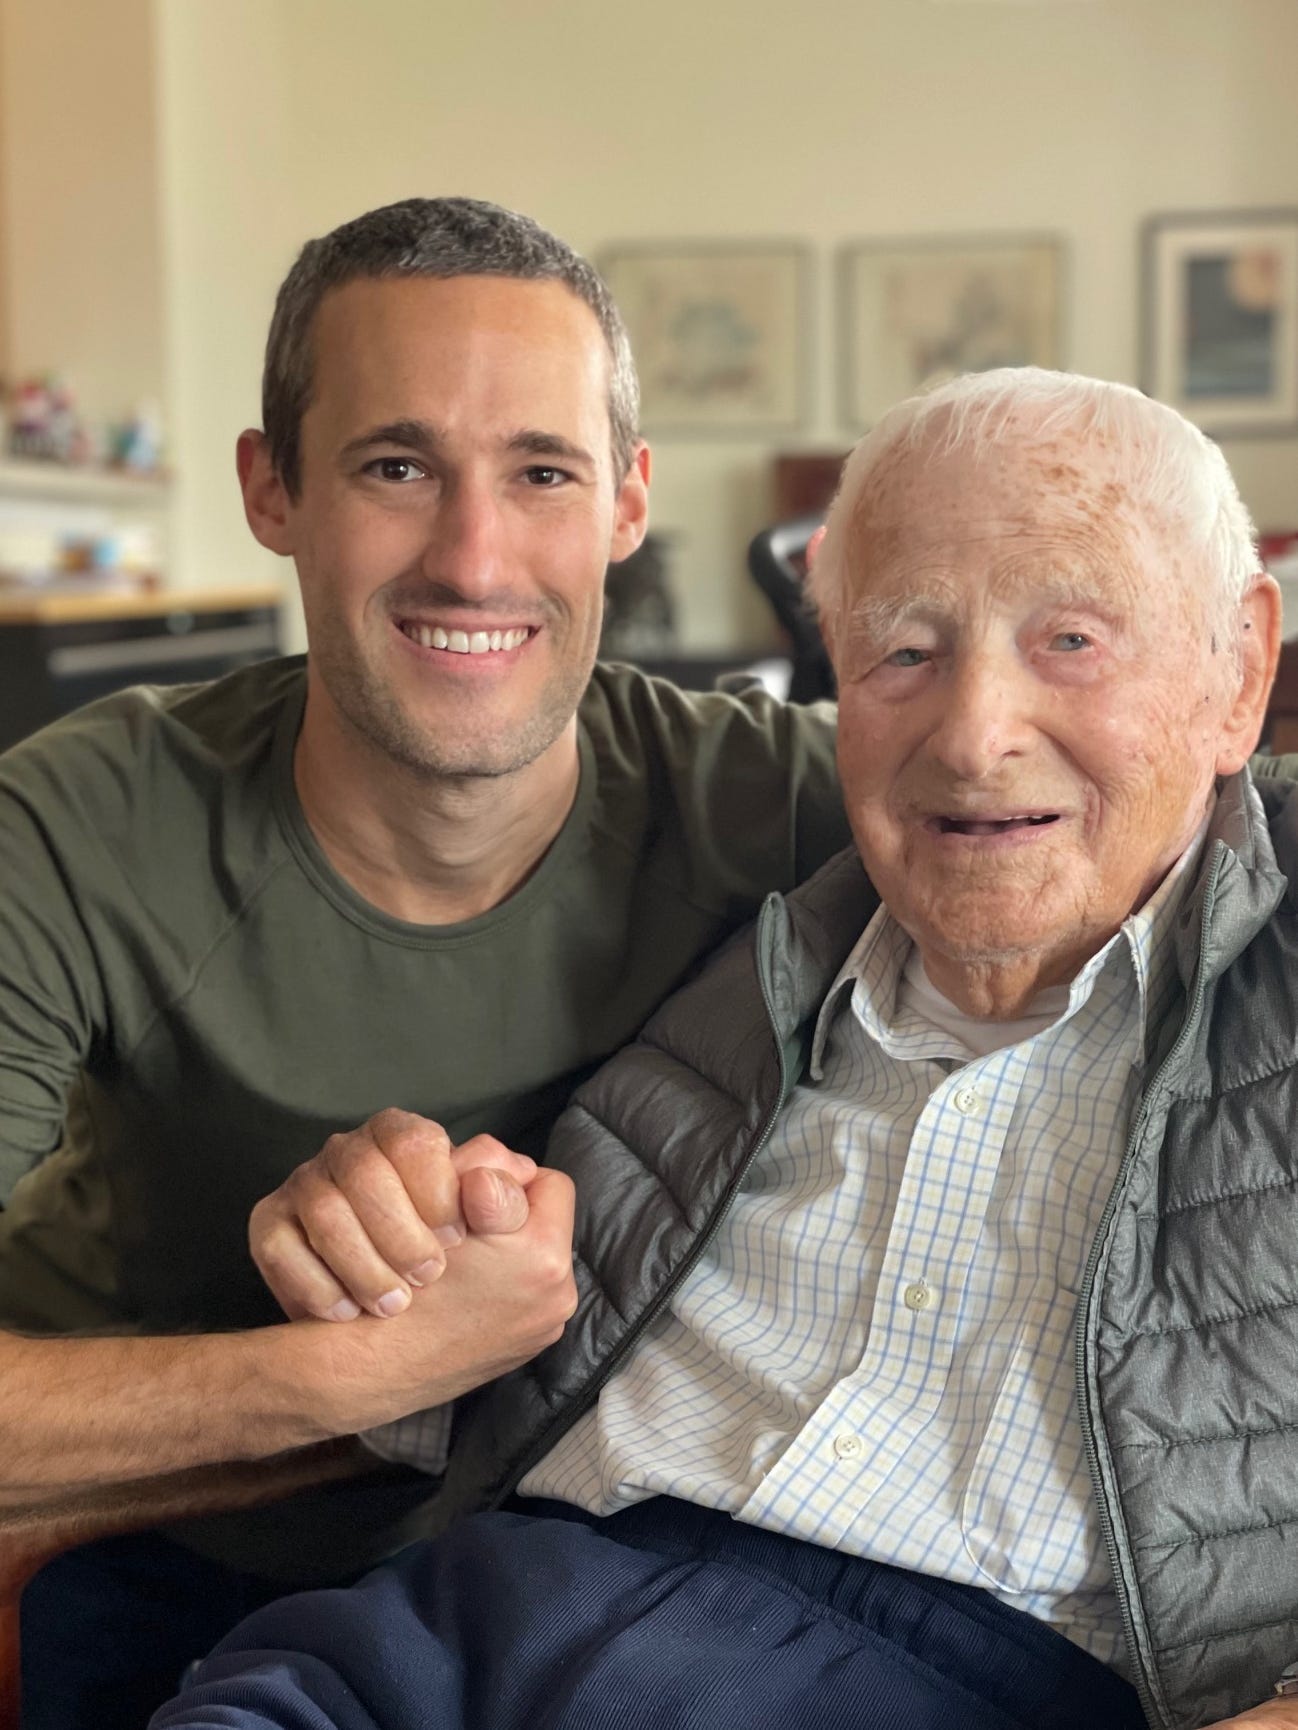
pixel 719 333
pixel 914 311
pixel 1220 318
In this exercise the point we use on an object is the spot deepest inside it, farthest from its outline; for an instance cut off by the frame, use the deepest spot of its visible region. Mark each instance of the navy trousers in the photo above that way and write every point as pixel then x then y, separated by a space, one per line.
pixel 107 1630
pixel 665 1615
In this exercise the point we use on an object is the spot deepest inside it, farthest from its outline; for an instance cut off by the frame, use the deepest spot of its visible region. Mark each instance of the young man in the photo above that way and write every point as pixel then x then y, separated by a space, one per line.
pixel 439 868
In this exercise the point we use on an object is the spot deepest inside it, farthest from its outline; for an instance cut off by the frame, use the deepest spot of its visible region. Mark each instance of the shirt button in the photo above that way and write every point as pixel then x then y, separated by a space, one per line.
pixel 966 1101
pixel 917 1295
pixel 848 1447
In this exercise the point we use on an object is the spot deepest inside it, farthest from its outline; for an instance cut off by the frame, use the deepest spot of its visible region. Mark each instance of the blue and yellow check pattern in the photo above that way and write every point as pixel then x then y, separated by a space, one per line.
pixel 876 1352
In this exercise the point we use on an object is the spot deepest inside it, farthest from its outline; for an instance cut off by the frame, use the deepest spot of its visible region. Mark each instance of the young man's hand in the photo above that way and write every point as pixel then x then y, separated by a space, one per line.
pixel 370 1219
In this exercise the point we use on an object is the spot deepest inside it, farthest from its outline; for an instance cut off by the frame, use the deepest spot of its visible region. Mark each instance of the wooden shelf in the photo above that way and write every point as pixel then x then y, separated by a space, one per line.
pixel 20 606
pixel 119 488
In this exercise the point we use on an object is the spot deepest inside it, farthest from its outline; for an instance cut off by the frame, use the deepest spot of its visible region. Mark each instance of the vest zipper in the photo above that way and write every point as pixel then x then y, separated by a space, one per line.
pixel 1144 1690
pixel 578 1408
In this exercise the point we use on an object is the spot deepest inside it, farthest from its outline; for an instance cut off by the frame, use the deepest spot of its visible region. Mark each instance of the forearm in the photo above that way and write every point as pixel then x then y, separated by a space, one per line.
pixel 78 1412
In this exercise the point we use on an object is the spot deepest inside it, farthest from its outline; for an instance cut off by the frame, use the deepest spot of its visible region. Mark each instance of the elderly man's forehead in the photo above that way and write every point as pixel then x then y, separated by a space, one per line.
pixel 1029 474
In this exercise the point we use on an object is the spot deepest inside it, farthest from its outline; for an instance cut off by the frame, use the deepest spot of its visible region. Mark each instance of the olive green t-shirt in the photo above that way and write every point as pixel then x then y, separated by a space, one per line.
pixel 192 1000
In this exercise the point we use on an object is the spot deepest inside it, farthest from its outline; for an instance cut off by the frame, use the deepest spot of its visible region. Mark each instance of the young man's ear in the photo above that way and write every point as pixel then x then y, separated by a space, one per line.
pixel 1259 655
pixel 631 508
pixel 266 503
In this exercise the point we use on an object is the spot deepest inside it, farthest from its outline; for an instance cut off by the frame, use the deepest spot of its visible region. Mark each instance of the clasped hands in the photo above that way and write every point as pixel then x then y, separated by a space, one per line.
pixel 369 1221
pixel 456 1260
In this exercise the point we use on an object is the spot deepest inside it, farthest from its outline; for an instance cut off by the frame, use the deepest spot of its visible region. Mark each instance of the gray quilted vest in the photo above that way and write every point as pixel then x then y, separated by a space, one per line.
pixel 1187 1336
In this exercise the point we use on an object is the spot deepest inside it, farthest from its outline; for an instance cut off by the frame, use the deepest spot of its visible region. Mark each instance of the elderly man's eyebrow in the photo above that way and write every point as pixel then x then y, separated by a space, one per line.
pixel 880 615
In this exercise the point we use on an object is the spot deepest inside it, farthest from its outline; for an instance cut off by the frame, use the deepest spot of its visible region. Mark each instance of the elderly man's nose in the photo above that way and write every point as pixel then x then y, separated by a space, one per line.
pixel 982 718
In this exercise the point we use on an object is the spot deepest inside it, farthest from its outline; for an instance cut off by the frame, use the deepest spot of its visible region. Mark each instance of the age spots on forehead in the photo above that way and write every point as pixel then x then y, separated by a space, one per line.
pixel 1096 496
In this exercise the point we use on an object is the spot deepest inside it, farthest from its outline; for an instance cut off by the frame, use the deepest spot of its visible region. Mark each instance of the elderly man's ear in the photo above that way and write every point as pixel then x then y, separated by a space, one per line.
pixel 1259 616
pixel 825 621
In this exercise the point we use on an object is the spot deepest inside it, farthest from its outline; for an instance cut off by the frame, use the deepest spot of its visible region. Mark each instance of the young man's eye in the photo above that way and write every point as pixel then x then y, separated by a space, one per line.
pixel 395 469
pixel 542 475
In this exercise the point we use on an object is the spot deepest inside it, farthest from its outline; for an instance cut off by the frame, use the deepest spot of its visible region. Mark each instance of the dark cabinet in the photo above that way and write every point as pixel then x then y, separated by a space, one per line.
pixel 60 651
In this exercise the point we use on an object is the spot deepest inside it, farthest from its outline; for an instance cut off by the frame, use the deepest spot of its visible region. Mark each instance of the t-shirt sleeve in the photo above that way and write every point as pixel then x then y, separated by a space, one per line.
pixel 728 796
pixel 51 997
pixel 1265 768
pixel 820 822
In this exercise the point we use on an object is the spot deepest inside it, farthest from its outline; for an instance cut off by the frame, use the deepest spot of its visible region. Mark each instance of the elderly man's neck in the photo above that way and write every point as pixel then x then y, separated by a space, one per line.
pixel 1003 987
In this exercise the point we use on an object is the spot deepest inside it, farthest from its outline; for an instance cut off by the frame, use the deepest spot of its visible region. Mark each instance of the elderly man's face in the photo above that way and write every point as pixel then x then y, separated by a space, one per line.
pixel 1035 700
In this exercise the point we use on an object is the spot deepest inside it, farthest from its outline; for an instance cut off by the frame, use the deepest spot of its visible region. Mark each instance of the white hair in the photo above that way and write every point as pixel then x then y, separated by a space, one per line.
pixel 1171 468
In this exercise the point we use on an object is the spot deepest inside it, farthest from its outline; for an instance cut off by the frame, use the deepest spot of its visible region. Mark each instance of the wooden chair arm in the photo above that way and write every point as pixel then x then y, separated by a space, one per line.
pixel 32 1534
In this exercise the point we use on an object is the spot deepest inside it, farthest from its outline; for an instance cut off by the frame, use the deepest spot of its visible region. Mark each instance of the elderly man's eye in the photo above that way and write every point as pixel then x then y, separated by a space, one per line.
pixel 1070 641
pixel 907 658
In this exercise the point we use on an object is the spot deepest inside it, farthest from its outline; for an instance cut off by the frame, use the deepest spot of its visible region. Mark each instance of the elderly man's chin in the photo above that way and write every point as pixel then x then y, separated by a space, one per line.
pixel 992 939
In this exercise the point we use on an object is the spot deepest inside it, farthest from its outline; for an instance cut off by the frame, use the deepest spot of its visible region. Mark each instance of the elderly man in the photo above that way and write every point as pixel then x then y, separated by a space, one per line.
pixel 933 1360
pixel 935 1355
pixel 444 864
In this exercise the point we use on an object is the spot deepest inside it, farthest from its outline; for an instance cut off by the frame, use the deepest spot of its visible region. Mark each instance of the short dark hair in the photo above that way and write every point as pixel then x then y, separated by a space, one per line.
pixel 435 237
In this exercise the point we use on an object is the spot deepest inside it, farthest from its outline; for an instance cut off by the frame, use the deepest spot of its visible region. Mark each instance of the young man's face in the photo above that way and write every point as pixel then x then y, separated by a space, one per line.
pixel 457 510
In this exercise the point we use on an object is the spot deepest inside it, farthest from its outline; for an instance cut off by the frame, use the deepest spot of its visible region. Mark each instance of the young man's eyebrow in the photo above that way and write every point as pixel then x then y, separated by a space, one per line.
pixel 534 443
pixel 416 435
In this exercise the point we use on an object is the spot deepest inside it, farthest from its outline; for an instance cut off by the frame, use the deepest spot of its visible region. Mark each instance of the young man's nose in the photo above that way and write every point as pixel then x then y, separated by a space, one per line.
pixel 464 542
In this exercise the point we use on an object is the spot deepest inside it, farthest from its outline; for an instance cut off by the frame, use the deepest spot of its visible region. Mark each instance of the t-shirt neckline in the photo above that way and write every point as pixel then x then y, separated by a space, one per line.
pixel 353 906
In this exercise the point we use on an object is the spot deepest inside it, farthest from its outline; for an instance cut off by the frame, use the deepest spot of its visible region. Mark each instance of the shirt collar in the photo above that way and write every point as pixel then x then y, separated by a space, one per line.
pixel 879 957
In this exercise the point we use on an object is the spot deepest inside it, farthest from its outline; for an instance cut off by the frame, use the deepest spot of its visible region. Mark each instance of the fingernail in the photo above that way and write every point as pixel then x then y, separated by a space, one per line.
pixel 426 1272
pixel 448 1236
pixel 343 1311
pixel 392 1303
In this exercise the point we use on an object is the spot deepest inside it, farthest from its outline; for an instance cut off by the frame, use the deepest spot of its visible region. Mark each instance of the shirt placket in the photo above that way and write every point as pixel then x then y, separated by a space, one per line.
pixel 866 1429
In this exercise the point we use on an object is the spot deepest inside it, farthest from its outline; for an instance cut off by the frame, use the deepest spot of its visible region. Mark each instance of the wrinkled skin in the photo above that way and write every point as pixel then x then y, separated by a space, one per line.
pixel 1037 693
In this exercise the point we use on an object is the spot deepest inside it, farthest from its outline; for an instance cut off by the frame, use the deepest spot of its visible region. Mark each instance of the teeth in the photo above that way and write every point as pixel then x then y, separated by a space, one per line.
pixel 464 642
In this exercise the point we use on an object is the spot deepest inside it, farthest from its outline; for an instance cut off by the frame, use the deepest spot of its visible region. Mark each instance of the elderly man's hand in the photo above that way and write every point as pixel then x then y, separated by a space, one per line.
pixel 374 1213
pixel 504 1297
pixel 1279 1714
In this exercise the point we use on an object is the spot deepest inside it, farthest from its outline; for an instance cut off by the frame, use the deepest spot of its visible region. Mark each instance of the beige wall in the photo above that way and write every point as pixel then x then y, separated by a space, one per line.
pixel 81 265
pixel 838 119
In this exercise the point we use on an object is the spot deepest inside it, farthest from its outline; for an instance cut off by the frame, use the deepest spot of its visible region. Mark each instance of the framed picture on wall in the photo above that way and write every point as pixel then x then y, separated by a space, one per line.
pixel 1220 338
pixel 718 332
pixel 912 312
